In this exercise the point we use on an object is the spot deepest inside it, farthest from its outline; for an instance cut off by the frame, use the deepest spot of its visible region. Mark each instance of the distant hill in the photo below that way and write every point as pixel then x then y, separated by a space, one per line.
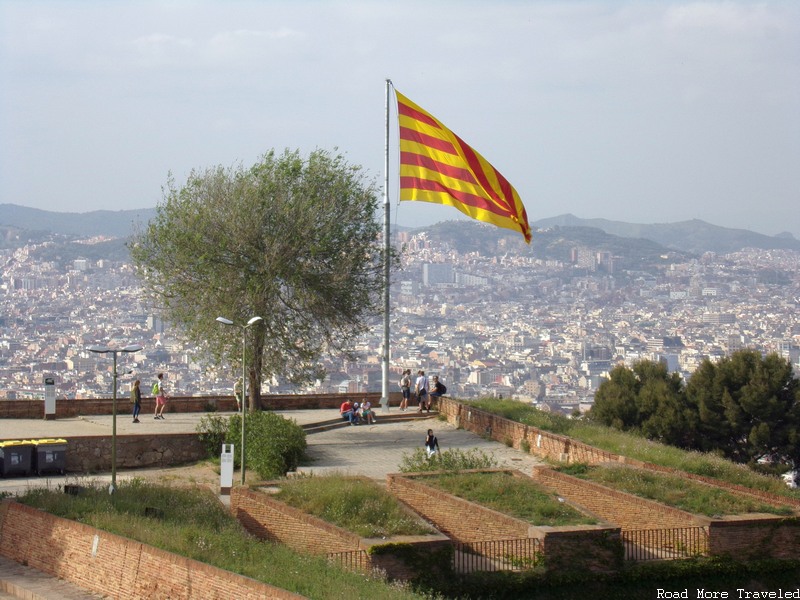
pixel 691 236
pixel 552 243
pixel 119 223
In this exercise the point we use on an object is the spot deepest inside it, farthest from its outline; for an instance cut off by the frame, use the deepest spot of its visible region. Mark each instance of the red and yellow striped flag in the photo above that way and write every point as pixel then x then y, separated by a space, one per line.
pixel 438 166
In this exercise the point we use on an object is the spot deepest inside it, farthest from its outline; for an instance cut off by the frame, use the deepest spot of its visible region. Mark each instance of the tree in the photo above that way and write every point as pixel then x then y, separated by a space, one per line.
pixel 292 240
pixel 748 407
pixel 646 397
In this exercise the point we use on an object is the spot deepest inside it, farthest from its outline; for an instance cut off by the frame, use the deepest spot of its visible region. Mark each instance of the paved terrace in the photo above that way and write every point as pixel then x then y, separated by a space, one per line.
pixel 369 450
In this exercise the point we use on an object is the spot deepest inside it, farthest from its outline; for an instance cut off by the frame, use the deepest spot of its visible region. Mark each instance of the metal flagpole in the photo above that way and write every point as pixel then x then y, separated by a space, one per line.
pixel 386 264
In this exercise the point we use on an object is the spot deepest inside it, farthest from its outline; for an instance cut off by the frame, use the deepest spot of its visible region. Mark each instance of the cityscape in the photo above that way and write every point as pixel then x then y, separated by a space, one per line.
pixel 489 321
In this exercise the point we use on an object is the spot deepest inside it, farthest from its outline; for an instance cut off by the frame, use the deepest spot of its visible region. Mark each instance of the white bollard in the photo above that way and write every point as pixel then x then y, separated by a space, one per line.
pixel 226 470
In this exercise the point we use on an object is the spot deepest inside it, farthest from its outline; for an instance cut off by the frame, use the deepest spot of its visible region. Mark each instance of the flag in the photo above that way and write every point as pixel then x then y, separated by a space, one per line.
pixel 438 166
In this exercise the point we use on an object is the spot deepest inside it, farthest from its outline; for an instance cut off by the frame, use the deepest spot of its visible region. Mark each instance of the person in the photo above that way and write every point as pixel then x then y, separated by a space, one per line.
pixel 237 392
pixel 161 397
pixel 347 410
pixel 421 390
pixel 431 444
pixel 405 387
pixel 438 390
pixel 367 413
pixel 136 398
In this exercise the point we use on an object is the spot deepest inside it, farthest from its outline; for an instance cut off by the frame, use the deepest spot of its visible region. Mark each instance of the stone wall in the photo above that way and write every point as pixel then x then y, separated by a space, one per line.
pixel 92 454
pixel 115 566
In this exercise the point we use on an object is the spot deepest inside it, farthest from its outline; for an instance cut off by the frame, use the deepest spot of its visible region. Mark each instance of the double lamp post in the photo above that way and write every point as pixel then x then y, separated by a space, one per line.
pixel 114 352
pixel 252 321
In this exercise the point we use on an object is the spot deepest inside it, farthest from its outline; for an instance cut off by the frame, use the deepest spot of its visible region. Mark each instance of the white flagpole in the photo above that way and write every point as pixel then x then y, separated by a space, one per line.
pixel 386 264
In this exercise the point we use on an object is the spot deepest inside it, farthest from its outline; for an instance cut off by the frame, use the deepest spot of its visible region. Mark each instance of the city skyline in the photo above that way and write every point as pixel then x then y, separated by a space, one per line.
pixel 641 112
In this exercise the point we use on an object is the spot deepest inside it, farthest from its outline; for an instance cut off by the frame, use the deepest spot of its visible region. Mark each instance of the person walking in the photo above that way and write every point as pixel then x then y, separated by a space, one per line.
pixel 136 399
pixel 421 391
pixel 405 388
pixel 161 397
pixel 431 444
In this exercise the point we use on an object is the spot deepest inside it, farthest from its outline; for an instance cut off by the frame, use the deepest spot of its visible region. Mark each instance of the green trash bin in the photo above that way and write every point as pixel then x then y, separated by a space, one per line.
pixel 49 456
pixel 15 458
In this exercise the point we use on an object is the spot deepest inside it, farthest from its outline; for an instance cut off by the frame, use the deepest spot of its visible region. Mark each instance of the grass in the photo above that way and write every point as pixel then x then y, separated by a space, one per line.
pixel 637 447
pixel 675 491
pixel 515 496
pixel 194 524
pixel 353 503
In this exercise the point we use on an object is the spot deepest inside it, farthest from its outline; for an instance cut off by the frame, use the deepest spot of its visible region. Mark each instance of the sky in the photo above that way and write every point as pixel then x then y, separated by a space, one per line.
pixel 638 111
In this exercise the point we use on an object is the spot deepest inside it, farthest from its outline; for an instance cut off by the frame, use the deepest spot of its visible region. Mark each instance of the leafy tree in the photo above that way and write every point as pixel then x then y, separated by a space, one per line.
pixel 748 407
pixel 646 397
pixel 292 240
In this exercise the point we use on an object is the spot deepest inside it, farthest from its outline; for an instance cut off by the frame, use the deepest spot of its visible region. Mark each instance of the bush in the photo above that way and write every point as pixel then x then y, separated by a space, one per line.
pixel 449 460
pixel 275 445
pixel 213 432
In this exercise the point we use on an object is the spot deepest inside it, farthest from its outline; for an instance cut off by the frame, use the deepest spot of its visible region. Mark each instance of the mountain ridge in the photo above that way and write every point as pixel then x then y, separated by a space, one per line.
pixel 693 236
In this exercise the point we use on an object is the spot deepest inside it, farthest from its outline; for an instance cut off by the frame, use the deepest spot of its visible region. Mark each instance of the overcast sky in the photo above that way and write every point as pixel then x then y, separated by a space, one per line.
pixel 646 112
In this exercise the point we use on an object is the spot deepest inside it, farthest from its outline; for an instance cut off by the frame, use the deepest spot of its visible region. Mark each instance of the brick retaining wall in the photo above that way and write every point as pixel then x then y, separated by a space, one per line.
pixel 622 509
pixel 34 409
pixel 115 566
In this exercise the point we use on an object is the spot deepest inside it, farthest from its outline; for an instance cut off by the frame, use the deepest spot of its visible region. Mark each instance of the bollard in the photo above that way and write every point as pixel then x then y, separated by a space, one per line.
pixel 226 470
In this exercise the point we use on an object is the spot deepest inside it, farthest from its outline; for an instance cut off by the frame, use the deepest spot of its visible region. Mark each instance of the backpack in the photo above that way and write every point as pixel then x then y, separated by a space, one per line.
pixel 442 389
pixel 155 389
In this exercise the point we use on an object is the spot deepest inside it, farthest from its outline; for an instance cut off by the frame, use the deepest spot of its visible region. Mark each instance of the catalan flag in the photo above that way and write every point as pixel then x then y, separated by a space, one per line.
pixel 438 166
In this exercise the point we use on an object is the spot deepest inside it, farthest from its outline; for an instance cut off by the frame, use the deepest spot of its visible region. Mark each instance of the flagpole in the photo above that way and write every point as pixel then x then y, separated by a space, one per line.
pixel 386 264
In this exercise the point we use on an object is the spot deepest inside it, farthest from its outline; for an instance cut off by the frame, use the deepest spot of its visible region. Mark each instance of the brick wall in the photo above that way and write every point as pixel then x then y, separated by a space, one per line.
pixel 625 510
pixel 751 537
pixel 271 519
pixel 588 547
pixel 459 519
pixel 34 409
pixel 560 448
pixel 114 566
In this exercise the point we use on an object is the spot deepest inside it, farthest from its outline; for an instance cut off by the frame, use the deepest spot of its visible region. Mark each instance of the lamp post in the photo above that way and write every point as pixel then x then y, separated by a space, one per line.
pixel 114 352
pixel 253 320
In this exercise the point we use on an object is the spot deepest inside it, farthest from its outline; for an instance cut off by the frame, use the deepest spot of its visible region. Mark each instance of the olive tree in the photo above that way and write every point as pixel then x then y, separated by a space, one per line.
pixel 293 240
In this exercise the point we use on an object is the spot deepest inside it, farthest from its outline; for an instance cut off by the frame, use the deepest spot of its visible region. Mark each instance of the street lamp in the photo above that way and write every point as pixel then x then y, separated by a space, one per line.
pixel 114 352
pixel 225 321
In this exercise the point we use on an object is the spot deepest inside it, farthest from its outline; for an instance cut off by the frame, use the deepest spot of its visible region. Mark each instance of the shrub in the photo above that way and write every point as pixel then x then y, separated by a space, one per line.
pixel 213 432
pixel 449 460
pixel 274 445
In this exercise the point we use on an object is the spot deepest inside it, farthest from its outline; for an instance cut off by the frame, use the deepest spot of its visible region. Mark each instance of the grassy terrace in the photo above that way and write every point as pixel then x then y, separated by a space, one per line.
pixel 194 524
pixel 514 496
pixel 353 503
pixel 673 490
pixel 637 447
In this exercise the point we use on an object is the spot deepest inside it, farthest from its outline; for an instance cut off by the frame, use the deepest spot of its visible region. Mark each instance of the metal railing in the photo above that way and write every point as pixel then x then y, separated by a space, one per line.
pixel 665 544
pixel 497 555
pixel 352 560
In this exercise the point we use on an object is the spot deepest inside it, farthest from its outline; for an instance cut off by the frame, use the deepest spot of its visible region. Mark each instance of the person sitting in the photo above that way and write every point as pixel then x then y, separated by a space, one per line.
pixel 438 390
pixel 347 410
pixel 367 414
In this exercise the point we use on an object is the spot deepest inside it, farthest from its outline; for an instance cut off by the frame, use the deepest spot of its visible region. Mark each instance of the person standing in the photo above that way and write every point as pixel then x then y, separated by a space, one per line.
pixel 161 397
pixel 136 398
pixel 421 390
pixel 237 392
pixel 431 444
pixel 405 388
